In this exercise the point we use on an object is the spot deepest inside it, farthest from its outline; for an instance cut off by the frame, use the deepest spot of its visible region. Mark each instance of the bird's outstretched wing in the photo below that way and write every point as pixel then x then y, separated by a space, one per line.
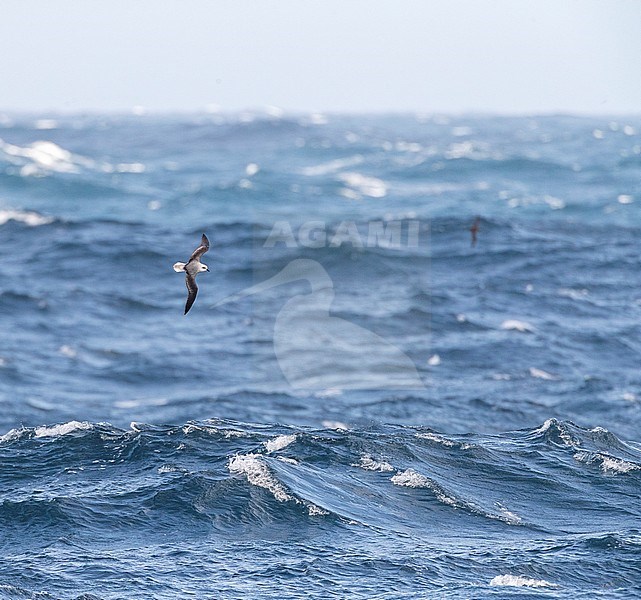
pixel 198 252
pixel 192 288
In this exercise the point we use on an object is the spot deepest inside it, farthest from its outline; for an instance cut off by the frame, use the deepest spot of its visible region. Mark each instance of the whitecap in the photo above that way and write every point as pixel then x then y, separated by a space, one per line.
pixel 46 124
pixel 372 187
pixel 251 169
pixel 609 464
pixel 280 442
pixel 507 515
pixel 137 402
pixel 131 168
pixel 433 437
pixel 46 157
pixel 316 511
pixel 64 429
pixel 434 360
pixel 253 467
pixel 513 324
pixel 572 293
pixel 501 376
pixel 553 202
pixel 518 581
pixel 338 425
pixel 317 118
pixel 30 218
pixel 461 130
pixel 11 435
pixel 411 478
pixel 330 392
pixel 460 150
pixel 369 464
pixel 68 351
pixel 541 374
pixel 167 469
pixel 333 166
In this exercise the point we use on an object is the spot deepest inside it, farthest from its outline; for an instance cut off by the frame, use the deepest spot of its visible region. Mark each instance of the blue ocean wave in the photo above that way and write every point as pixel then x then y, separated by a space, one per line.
pixel 260 446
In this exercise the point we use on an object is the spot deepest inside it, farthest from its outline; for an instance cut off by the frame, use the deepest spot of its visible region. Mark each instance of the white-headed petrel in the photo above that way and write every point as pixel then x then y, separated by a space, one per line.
pixel 191 268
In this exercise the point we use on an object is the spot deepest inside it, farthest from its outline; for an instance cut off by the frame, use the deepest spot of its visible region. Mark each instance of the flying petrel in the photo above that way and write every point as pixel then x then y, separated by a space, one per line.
pixel 191 268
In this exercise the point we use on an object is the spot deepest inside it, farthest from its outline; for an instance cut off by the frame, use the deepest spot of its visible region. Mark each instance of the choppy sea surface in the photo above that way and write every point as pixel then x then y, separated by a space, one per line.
pixel 361 403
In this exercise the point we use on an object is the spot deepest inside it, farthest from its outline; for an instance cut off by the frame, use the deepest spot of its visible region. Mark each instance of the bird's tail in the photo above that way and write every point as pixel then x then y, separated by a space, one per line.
pixel 179 267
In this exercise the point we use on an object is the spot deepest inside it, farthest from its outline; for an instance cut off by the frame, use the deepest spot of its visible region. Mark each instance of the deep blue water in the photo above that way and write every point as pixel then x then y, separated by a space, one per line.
pixel 398 414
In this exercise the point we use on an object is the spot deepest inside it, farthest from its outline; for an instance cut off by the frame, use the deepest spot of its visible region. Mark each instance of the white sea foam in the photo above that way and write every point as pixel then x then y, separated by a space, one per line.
pixel 410 478
pixel 335 425
pixel 610 465
pixel 130 168
pixel 553 202
pixel 64 429
pixel 254 468
pixel 137 402
pixel 507 515
pixel 541 374
pixel 42 157
pixel 433 437
pixel 317 118
pixel 501 376
pixel 33 219
pixel 518 581
pixel 330 392
pixel 280 442
pixel 68 351
pixel 251 169
pixel 45 156
pixel 573 293
pixel 465 149
pixel 513 324
pixel 369 464
pixel 461 130
pixel 11 435
pixel 46 124
pixel 364 185
pixel 168 469
pixel 434 360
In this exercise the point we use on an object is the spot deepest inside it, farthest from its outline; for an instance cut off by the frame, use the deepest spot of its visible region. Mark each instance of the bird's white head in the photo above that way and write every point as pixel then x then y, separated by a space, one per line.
pixel 203 268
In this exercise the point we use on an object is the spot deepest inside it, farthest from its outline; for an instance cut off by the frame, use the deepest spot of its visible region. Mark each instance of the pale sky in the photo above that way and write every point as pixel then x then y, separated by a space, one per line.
pixel 514 56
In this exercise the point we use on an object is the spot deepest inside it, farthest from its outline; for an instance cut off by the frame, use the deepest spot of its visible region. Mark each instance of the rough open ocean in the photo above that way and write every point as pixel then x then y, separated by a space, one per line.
pixel 361 403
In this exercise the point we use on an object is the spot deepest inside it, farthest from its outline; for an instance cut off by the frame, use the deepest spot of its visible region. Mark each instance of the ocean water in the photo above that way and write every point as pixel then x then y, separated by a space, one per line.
pixel 361 403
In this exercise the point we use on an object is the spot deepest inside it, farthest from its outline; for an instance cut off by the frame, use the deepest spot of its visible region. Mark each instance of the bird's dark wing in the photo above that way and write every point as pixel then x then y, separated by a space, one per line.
pixel 192 288
pixel 198 252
